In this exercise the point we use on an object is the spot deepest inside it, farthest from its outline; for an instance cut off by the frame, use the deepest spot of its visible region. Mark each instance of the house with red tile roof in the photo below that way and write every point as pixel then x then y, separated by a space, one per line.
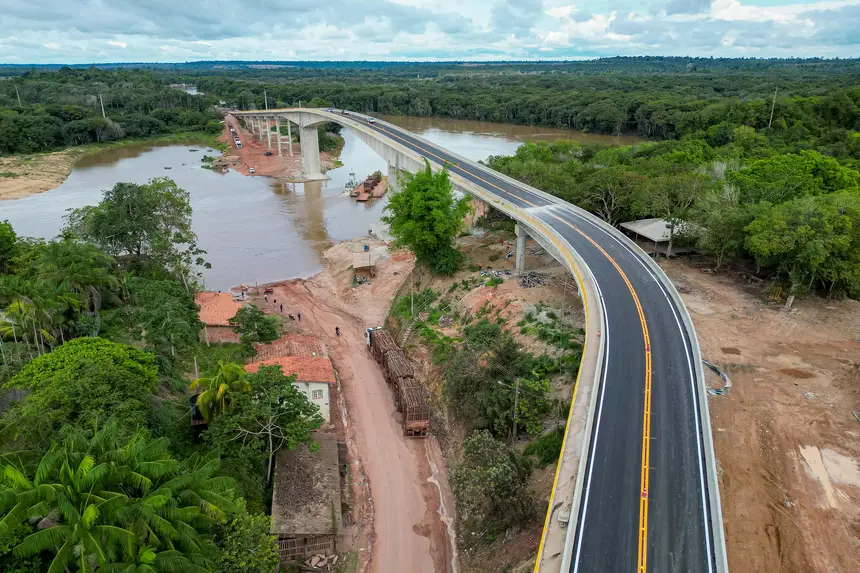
pixel 314 377
pixel 216 309
pixel 292 345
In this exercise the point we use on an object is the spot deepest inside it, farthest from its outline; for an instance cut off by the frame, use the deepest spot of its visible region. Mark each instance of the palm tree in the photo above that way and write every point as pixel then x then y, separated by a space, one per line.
pixel 81 268
pixel 103 503
pixel 148 560
pixel 227 378
pixel 76 503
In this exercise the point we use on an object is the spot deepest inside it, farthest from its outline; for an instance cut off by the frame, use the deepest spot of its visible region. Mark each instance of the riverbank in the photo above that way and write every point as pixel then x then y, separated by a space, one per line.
pixel 404 514
pixel 286 166
pixel 31 174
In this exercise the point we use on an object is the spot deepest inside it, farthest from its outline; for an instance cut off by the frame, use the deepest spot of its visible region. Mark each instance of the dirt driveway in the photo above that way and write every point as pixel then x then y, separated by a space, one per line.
pixel 405 479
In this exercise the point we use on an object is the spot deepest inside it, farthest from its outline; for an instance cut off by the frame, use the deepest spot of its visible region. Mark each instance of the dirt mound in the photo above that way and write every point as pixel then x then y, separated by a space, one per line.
pixel 795 373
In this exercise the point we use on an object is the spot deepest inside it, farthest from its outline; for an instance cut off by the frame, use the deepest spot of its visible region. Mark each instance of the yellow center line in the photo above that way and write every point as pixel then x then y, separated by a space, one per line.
pixel 646 418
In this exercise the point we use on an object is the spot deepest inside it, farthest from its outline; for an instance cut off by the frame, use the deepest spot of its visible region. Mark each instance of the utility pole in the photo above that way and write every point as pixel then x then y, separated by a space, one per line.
pixel 772 106
pixel 19 96
pixel 266 99
pixel 102 101
pixel 516 404
pixel 412 295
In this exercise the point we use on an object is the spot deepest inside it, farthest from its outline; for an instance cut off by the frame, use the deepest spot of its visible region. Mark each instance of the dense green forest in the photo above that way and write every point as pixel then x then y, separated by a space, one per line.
pixel 795 215
pixel 100 467
pixel 816 104
pixel 45 111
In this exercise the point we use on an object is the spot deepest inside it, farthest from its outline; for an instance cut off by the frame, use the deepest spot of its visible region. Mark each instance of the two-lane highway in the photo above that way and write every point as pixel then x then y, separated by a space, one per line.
pixel 645 503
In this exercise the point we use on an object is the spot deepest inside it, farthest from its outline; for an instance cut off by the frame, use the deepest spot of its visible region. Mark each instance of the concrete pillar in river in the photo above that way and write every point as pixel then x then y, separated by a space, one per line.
pixel 520 251
pixel 310 152
pixel 278 131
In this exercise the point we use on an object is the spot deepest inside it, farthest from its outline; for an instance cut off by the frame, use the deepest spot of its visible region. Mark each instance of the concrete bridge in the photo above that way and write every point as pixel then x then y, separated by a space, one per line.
pixel 636 485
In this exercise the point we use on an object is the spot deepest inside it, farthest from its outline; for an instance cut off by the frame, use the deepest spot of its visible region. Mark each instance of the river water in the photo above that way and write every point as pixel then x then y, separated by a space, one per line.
pixel 259 229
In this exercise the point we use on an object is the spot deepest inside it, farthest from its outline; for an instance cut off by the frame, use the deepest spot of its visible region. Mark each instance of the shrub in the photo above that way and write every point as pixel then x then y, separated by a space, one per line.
pixel 446 261
pixel 546 448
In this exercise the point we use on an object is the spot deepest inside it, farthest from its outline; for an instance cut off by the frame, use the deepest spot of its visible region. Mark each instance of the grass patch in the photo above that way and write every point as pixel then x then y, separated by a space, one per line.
pixel 546 448
pixel 494 282
pixel 9 174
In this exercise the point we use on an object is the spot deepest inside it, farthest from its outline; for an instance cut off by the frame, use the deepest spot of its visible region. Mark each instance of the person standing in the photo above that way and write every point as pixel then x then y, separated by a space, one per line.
pixel 282 307
pixel 337 331
pixel 299 315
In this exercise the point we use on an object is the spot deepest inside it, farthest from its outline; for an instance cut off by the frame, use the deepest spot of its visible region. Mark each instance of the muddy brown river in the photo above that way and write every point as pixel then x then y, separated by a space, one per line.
pixel 259 229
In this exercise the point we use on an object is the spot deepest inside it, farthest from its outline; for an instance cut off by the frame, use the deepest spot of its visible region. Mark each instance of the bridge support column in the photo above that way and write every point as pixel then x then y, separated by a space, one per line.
pixel 278 131
pixel 311 152
pixel 268 134
pixel 260 128
pixel 520 251
pixel 290 136
pixel 393 174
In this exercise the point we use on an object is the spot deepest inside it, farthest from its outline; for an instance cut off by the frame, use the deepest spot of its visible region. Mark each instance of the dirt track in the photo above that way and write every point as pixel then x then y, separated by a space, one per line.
pixel 405 479
pixel 253 154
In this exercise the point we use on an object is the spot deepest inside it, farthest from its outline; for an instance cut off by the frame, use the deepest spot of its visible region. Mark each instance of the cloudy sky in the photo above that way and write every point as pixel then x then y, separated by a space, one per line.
pixel 83 31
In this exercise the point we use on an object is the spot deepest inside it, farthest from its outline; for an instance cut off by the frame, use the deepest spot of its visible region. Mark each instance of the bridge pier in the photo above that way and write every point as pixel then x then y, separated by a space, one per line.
pixel 268 134
pixel 520 251
pixel 278 131
pixel 260 128
pixel 310 152
pixel 290 136
pixel 393 175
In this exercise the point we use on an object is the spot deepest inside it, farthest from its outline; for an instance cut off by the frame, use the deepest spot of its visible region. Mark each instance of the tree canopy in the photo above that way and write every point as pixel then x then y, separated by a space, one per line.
pixel 425 216
pixel 149 224
pixel 85 381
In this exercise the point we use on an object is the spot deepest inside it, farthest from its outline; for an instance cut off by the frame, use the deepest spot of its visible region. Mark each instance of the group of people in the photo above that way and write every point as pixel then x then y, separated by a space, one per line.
pixel 298 314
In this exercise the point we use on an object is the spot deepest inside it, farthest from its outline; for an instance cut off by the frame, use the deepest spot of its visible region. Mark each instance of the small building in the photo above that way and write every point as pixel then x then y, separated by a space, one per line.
pixel 314 378
pixel 364 265
pixel 653 235
pixel 292 345
pixel 216 309
pixel 306 500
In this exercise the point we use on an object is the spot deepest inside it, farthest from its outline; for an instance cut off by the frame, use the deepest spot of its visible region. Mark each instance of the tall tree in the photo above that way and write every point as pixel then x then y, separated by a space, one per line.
pixel 148 223
pixel 425 216
pixel 254 326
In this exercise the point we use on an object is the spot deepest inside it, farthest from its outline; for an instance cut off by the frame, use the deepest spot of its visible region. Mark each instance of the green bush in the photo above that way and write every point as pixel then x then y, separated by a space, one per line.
pixel 446 261
pixel 494 282
pixel 495 257
pixel 546 448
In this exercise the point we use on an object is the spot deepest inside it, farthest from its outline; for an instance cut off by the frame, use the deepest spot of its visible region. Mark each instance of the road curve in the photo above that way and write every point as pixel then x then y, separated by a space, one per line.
pixel 646 504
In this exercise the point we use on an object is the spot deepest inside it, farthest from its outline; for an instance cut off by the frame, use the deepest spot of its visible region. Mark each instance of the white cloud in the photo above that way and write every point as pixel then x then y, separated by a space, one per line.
pixel 733 10
pixel 167 30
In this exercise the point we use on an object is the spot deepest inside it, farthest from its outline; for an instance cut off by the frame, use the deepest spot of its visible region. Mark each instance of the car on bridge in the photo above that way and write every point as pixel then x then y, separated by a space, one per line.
pixel 371 120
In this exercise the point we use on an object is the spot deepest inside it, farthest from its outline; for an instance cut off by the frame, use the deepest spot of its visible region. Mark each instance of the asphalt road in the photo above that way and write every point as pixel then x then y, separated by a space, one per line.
pixel 673 525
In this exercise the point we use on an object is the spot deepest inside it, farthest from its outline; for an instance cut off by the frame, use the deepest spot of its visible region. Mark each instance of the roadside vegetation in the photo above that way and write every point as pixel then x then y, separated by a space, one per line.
pixel 795 216
pixel 499 396
pixel 100 468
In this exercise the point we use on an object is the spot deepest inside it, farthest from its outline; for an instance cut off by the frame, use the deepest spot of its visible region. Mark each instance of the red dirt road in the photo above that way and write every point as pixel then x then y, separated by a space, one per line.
pixel 409 530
